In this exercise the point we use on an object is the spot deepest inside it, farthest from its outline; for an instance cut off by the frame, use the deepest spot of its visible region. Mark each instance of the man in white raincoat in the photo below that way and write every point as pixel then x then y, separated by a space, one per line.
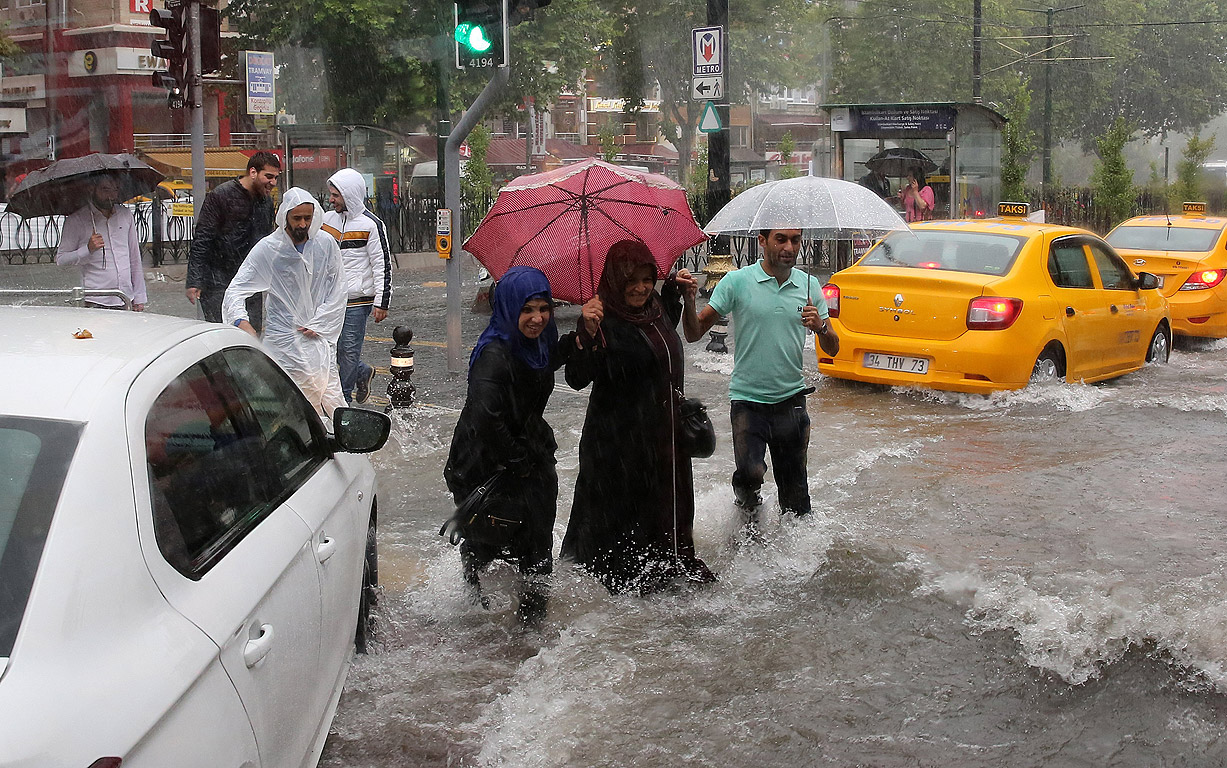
pixel 300 269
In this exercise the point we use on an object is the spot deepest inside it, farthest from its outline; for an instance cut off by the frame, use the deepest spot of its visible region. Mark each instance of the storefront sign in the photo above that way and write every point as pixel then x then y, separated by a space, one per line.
pixel 97 62
pixel 876 121
pixel 12 120
pixel 23 88
pixel 315 157
pixel 261 84
pixel 618 105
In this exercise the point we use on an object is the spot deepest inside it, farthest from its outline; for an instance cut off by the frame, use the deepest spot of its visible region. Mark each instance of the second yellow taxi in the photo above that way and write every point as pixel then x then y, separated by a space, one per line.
pixel 1188 253
pixel 992 304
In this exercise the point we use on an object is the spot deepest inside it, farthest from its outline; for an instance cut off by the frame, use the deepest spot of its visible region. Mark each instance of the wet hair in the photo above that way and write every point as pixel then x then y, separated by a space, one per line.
pixel 262 159
pixel 916 172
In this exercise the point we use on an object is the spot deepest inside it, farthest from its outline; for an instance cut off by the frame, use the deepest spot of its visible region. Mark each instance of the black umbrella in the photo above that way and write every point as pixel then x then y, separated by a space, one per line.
pixel 897 161
pixel 64 186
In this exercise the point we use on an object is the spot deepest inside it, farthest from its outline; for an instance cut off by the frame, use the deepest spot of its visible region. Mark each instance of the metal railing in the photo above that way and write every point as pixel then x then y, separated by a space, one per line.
pixel 35 240
pixel 168 140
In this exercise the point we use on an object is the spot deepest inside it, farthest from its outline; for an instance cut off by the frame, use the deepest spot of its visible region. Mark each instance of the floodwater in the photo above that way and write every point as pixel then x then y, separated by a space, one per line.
pixel 1035 578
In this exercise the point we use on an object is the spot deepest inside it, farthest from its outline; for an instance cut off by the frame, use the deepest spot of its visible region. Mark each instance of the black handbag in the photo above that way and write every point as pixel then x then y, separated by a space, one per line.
pixel 696 436
pixel 480 519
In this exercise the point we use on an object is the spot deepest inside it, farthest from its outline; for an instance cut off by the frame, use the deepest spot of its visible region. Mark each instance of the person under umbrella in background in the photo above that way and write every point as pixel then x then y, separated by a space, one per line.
pixel 632 517
pixel 234 217
pixel 502 427
pixel 368 275
pixel 917 196
pixel 876 180
pixel 301 271
pixel 101 239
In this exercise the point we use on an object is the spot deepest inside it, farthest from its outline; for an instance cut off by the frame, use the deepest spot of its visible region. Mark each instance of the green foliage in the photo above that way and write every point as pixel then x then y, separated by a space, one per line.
pixel 7 46
pixel 1190 178
pixel 1017 144
pixel 1112 181
pixel 787 147
pixel 477 181
pixel 609 146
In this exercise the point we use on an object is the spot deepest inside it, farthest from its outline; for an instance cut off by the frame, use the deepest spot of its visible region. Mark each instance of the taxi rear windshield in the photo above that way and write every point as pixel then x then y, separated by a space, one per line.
pixel 1164 238
pixel 34 458
pixel 977 252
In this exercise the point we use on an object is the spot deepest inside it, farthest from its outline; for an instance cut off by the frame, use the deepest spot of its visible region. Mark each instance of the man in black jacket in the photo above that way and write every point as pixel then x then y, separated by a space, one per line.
pixel 234 217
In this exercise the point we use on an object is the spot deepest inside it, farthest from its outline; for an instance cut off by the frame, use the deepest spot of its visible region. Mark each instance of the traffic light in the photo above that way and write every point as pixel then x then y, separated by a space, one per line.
pixel 175 48
pixel 481 33
pixel 210 40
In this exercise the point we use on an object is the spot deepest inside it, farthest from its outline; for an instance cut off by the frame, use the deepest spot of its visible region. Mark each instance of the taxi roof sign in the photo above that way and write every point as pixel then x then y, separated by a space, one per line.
pixel 1014 209
pixel 1194 209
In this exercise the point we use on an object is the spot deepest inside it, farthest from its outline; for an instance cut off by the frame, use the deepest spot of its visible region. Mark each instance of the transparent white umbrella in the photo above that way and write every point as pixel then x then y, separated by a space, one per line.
pixel 822 208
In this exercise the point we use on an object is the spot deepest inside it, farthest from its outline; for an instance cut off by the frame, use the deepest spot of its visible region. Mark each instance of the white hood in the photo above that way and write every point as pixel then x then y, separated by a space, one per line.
pixel 294 197
pixel 352 187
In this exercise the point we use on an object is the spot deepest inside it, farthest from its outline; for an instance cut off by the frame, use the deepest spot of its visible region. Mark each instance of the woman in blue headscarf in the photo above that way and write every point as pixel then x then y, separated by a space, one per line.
pixel 502 427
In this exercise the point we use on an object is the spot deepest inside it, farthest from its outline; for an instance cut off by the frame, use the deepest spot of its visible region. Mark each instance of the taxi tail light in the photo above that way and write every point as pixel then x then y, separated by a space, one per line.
pixel 831 294
pixel 1207 278
pixel 992 313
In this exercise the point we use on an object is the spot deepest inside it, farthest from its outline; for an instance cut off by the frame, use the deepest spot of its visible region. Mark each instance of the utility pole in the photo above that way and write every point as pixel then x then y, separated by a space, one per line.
pixel 1049 13
pixel 197 106
pixel 719 190
pixel 977 38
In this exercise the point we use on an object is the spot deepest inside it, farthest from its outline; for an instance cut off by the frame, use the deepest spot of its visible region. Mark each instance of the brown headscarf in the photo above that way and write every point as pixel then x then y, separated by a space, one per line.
pixel 624 257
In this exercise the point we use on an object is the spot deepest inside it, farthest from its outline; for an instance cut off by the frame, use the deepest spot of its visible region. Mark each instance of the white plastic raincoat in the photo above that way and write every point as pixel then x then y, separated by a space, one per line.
pixel 305 290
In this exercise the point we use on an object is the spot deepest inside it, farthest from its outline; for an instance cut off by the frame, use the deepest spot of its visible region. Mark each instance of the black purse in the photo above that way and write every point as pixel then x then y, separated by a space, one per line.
pixel 480 520
pixel 696 437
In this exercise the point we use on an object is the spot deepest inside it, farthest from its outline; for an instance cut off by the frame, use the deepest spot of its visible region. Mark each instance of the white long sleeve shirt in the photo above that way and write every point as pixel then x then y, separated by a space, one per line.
pixel 115 266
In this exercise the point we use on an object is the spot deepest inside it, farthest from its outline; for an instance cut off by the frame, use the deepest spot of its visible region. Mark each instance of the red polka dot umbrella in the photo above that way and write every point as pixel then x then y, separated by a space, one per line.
pixel 564 221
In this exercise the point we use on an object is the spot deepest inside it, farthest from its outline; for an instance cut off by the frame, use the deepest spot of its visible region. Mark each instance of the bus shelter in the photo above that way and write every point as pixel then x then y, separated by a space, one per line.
pixel 960 142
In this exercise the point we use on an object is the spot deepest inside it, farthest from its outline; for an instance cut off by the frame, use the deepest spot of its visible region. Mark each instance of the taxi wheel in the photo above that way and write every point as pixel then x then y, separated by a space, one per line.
pixel 368 593
pixel 1049 366
pixel 1160 346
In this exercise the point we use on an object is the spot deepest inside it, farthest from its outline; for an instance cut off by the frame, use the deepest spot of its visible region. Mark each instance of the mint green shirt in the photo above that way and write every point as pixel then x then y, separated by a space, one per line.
pixel 768 338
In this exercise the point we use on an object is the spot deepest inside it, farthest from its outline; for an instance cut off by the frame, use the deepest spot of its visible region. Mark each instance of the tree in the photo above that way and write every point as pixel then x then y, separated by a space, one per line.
pixel 477 181
pixel 787 145
pixel 608 137
pixel 1017 144
pixel 1190 178
pixel 651 44
pixel 1112 181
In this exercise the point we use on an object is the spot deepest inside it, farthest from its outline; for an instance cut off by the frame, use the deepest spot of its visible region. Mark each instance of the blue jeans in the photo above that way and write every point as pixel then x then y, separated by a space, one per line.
pixel 349 349
pixel 782 428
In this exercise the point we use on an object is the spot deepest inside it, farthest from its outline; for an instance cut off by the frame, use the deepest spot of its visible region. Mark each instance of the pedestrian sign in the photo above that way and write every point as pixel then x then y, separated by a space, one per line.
pixel 707 89
pixel 710 121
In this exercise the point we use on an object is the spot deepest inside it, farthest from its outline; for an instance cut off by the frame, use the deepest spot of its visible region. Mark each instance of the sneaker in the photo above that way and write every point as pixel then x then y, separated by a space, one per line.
pixel 362 391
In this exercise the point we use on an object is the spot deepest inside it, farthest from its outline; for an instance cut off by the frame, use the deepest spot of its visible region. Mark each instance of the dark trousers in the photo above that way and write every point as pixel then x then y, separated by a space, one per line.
pixel 782 428
pixel 211 307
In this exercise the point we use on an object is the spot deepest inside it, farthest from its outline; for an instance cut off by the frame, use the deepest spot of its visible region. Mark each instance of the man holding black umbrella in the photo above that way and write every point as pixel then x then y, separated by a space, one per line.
pixel 101 239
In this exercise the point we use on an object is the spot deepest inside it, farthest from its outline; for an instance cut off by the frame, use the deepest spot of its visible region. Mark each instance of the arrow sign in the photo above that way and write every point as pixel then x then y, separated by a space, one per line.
pixel 710 121
pixel 707 88
pixel 707 50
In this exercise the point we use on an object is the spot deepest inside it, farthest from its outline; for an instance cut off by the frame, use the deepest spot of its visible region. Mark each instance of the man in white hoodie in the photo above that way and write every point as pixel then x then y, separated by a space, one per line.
pixel 300 270
pixel 368 275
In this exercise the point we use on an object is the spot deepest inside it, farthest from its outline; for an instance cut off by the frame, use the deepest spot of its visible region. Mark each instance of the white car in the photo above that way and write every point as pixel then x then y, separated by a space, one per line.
pixel 185 550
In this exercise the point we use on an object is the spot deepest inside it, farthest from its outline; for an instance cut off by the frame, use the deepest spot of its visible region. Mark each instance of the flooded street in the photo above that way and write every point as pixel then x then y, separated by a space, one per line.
pixel 1030 579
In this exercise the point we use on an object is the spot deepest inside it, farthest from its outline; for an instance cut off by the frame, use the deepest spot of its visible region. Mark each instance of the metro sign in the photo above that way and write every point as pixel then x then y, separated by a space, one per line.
pixel 707 50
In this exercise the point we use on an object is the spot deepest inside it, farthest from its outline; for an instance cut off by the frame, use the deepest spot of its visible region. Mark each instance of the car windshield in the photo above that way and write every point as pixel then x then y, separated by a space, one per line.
pixel 34 455
pixel 1164 238
pixel 978 252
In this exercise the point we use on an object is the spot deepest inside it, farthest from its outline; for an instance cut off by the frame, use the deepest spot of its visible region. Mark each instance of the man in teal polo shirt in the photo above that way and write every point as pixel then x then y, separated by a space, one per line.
pixel 771 304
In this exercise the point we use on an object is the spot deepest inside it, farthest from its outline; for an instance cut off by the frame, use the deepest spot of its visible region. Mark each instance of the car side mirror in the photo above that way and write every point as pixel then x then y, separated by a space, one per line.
pixel 358 430
pixel 1147 282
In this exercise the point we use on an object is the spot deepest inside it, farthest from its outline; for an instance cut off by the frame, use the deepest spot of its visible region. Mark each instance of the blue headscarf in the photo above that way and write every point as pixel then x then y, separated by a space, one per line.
pixel 509 296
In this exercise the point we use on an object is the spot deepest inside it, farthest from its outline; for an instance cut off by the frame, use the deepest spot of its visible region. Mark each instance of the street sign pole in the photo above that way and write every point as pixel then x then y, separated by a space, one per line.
pixel 718 189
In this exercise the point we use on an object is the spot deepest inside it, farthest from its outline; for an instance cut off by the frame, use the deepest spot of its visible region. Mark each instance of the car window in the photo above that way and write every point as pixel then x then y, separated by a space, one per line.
pixel 219 460
pixel 294 435
pixel 34 457
pixel 978 252
pixel 1068 267
pixel 1113 273
pixel 1164 238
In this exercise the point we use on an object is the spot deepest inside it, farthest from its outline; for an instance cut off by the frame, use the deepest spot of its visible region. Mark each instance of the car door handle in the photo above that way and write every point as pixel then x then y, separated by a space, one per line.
pixel 325 549
pixel 1069 311
pixel 259 646
pixel 1114 309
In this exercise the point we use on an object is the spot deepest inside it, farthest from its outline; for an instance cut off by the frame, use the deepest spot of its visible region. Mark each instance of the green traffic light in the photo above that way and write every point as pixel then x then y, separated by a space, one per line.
pixel 473 37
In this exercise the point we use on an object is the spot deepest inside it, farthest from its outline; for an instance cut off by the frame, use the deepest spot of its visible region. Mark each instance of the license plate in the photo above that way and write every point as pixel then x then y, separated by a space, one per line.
pixel 919 365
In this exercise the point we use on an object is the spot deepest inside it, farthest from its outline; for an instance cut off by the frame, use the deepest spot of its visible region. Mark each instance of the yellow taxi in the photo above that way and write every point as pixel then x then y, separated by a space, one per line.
pixel 1188 253
pixel 980 305
pixel 170 189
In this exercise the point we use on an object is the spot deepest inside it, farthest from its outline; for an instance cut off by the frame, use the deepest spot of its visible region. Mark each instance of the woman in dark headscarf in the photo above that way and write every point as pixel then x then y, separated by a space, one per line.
pixel 511 376
pixel 632 518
